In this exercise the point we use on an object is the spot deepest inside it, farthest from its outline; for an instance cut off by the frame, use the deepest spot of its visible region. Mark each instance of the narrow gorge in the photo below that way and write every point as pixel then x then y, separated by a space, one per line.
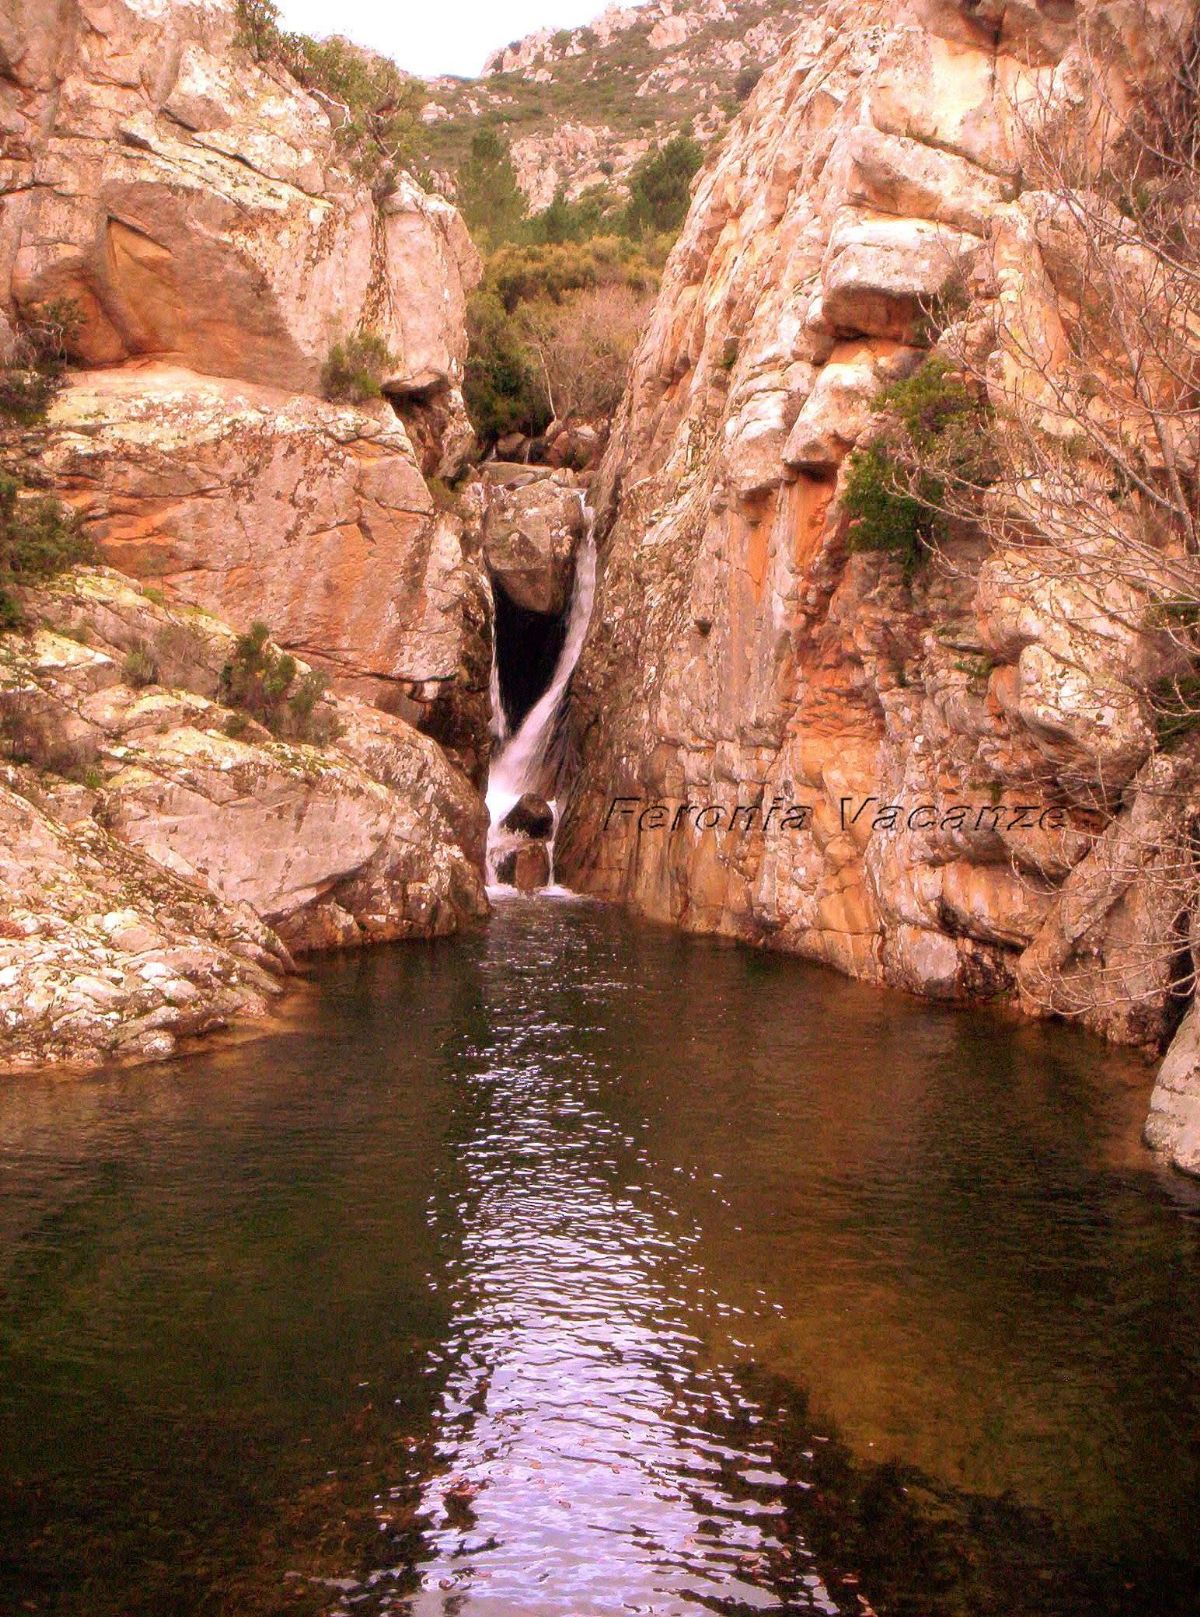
pixel 600 791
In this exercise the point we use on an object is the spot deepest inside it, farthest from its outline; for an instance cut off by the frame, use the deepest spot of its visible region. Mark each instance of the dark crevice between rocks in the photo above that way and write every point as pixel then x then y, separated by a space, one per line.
pixel 528 646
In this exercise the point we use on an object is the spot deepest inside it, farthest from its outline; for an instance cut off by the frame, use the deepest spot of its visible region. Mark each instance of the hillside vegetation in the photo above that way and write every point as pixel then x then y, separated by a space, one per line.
pixel 579 107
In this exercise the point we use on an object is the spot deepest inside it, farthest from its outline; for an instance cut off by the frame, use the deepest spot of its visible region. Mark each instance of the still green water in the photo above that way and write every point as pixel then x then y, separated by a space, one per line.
pixel 579 1268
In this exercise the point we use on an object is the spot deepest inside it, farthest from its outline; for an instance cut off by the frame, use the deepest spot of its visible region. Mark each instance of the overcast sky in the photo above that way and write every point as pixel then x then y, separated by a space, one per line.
pixel 437 36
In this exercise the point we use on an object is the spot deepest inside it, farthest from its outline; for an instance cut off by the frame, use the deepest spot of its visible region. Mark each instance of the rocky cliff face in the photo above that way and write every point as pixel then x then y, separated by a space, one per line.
pixel 167 854
pixel 583 104
pixel 740 654
pixel 169 845
pixel 197 212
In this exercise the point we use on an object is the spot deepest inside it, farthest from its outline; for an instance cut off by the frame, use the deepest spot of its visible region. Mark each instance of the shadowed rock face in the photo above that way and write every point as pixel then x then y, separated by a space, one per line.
pixel 530 816
pixel 738 654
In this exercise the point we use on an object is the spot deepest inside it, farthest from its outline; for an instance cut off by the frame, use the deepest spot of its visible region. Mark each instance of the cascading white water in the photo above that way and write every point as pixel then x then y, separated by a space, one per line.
pixel 518 767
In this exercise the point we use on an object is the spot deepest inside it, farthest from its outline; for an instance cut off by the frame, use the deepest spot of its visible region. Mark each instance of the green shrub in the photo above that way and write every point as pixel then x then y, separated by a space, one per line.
pixel 746 82
pixel 258 30
pixel 1177 708
pixel 26 395
pixel 502 386
pixel 309 717
pixel 883 516
pixel 354 371
pixel 660 186
pixel 256 678
pixel 39 537
pixel 934 406
pixel 488 196
pixel 139 667
pixel 262 683
pixel 380 122
pixel 526 292
pixel 933 434
pixel 37 368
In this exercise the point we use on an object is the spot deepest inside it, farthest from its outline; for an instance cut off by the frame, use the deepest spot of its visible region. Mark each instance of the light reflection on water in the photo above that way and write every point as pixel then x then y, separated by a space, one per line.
pixel 579 1268
pixel 580 1466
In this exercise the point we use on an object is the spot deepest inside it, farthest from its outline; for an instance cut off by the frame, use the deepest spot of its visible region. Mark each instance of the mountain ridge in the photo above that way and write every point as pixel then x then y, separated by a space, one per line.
pixel 581 106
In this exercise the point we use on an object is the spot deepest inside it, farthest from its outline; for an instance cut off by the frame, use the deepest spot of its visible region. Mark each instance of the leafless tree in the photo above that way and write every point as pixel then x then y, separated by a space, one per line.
pixel 584 345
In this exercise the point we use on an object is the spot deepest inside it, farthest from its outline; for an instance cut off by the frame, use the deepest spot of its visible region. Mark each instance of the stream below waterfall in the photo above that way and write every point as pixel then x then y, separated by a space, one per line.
pixel 576 1267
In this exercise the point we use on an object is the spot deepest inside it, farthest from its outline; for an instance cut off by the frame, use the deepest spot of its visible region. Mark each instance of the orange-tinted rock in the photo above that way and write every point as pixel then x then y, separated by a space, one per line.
pixel 739 656
pixel 526 868
pixel 311 517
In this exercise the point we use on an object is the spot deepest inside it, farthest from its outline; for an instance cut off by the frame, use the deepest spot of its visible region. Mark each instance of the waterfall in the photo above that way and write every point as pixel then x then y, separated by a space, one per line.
pixel 518 767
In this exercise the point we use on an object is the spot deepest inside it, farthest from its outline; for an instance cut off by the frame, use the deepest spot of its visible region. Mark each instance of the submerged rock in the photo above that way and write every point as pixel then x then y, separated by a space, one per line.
pixel 530 816
pixel 526 868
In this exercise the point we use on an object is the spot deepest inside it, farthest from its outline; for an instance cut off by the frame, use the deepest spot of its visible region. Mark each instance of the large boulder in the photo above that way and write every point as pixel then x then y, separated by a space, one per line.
pixel 530 816
pixel 533 521
pixel 1173 1126
pixel 311 517
pixel 526 868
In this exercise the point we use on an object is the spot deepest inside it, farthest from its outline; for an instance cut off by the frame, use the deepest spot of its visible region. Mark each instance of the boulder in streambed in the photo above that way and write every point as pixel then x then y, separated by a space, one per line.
pixel 526 868
pixel 1173 1126
pixel 530 816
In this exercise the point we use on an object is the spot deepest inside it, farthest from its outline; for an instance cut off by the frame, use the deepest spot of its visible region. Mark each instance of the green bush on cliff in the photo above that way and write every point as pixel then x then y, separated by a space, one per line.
pixel 373 107
pixel 355 369
pixel 883 515
pixel 660 187
pixel 37 364
pixel 262 682
pixel 39 537
pixel 932 430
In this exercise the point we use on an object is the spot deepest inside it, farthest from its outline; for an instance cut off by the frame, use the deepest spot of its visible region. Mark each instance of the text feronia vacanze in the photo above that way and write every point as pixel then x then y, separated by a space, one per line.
pixel 870 813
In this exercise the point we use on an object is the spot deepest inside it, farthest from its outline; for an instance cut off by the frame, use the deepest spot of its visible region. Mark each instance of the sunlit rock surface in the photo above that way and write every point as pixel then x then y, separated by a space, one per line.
pixel 197 211
pixel 739 654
